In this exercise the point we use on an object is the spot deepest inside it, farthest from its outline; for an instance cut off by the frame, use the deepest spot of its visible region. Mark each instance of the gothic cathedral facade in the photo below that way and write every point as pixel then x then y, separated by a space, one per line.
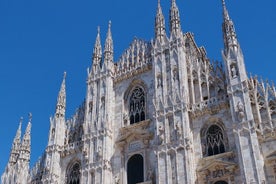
pixel 162 114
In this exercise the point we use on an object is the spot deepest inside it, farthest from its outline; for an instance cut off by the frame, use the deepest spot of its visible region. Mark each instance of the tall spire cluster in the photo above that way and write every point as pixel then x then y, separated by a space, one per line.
pixel 174 22
pixel 160 28
pixel 165 104
pixel 102 60
pixel 20 155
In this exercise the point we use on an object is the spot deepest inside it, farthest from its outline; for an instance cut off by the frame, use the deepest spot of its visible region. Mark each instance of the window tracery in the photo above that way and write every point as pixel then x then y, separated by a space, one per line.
pixel 73 176
pixel 137 106
pixel 215 140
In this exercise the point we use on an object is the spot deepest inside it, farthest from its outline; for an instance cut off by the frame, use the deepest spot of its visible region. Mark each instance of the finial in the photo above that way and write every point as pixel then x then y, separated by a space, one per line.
pixel 225 12
pixel 173 2
pixel 159 9
pixel 109 24
pixel 223 3
pixel 30 117
pixel 64 75
pixel 99 29
pixel 21 120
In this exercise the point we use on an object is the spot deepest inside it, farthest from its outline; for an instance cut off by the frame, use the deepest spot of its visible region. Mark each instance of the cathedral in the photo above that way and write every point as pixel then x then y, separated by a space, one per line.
pixel 162 114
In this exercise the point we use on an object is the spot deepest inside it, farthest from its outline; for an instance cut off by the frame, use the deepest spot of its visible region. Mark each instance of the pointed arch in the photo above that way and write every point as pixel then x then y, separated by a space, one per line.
pixel 73 174
pixel 136 101
pixel 213 138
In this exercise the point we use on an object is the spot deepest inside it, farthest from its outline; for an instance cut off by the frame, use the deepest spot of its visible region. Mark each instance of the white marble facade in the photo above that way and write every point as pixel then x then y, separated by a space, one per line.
pixel 162 114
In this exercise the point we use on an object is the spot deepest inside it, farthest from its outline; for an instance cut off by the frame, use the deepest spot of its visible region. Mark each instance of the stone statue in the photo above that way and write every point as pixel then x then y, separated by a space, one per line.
pixel 159 81
pixel 240 108
pixel 99 153
pixel 188 143
pixel 234 71
pixel 117 179
pixel 178 130
pixel 161 134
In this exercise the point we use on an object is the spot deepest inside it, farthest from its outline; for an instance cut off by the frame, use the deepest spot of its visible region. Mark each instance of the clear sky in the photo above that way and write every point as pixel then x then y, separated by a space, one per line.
pixel 39 40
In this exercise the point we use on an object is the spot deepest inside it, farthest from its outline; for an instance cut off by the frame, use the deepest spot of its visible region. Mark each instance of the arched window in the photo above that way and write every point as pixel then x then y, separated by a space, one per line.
pixel 135 169
pixel 137 106
pixel 215 140
pixel 73 176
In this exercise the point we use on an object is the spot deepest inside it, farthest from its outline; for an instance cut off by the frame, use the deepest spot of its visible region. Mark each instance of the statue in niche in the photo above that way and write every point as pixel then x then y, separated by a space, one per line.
pixel 178 129
pixel 159 81
pixel 240 108
pixel 85 155
pixel 161 134
pixel 99 153
pixel 175 75
pixel 188 143
pixel 233 71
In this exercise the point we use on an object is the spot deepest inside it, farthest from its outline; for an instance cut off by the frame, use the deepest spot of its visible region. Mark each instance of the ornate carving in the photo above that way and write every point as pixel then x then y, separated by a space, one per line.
pixel 212 169
pixel 117 179
pixel 137 131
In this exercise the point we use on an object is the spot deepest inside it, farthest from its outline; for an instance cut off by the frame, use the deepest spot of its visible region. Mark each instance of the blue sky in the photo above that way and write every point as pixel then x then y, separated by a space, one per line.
pixel 39 40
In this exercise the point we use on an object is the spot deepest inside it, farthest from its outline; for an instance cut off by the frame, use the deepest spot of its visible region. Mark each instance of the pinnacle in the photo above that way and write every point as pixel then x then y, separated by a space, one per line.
pixel 223 3
pixel 18 132
pixel 109 24
pixel 225 11
pixel 30 117
pixel 64 75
